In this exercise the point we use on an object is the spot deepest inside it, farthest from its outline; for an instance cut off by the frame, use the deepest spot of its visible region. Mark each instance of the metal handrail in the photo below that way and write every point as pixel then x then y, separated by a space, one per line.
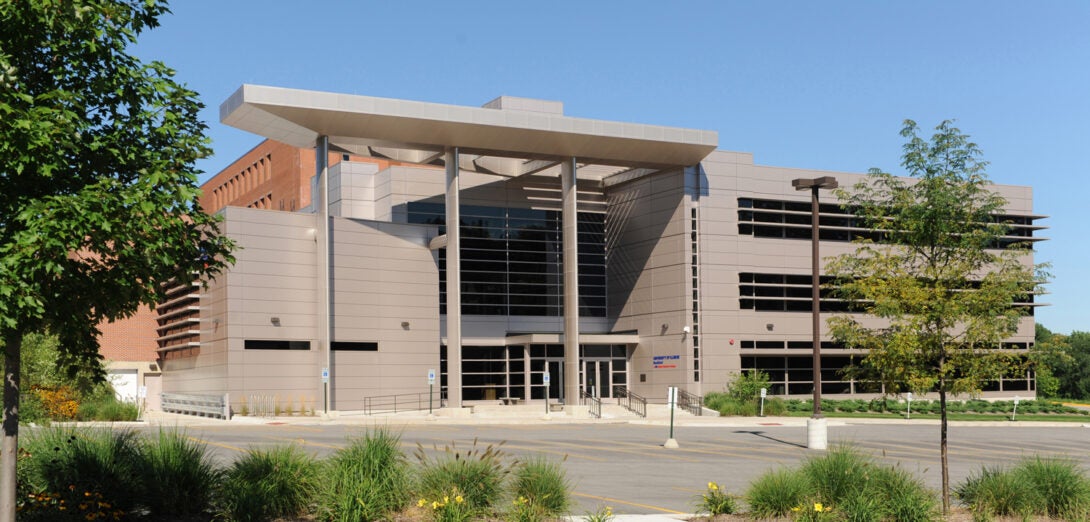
pixel 691 402
pixel 595 403
pixel 399 402
pixel 630 400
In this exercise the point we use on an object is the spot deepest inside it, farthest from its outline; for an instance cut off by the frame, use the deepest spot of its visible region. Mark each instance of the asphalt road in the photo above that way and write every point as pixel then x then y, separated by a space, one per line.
pixel 626 466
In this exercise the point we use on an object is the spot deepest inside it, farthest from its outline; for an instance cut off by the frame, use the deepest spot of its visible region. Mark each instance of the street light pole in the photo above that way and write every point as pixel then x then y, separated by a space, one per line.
pixel 817 430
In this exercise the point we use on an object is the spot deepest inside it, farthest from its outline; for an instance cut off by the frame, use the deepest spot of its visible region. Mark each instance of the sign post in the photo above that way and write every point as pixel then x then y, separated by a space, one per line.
pixel 764 393
pixel 431 387
pixel 545 379
pixel 909 397
pixel 671 400
pixel 1015 412
pixel 325 388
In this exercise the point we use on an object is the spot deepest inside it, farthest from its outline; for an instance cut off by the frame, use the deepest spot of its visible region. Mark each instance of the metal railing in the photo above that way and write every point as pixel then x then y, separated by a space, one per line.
pixel 401 402
pixel 594 403
pixel 193 404
pixel 690 402
pixel 631 401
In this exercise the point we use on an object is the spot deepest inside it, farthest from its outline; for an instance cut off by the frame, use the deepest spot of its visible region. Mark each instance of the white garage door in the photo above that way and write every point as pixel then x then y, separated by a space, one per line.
pixel 124 383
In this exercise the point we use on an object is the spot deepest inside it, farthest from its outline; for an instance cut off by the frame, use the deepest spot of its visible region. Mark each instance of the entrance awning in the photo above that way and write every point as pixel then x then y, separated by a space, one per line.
pixel 497 141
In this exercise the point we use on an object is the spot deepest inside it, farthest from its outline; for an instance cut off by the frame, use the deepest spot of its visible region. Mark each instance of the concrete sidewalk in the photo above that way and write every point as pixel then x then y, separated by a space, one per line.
pixel 657 415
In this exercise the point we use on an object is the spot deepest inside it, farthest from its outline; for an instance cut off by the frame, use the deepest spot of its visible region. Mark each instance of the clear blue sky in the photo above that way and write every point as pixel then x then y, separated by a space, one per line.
pixel 797 83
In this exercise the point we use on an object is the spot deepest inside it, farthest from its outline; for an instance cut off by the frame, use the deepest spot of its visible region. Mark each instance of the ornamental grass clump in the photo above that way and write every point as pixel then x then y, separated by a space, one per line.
pixel 996 492
pixel 479 474
pixel 846 485
pixel 1036 486
pixel 840 473
pixel 367 480
pixel 775 493
pixel 177 475
pixel 900 495
pixel 1061 484
pixel 280 482
pixel 541 490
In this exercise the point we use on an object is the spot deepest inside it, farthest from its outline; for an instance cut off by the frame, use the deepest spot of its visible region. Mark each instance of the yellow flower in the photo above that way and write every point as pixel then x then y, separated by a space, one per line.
pixel 435 505
pixel 459 499
pixel 713 486
pixel 421 502
pixel 796 509
pixel 446 499
pixel 818 507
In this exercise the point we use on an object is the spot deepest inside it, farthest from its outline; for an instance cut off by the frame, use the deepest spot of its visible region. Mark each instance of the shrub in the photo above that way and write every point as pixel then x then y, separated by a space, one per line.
pixel 747 386
pixel 775 493
pixel 59 402
pixel 478 474
pixel 366 480
pixel 280 482
pixel 177 474
pixel 109 409
pixel 64 468
pixel 31 410
pixel 540 489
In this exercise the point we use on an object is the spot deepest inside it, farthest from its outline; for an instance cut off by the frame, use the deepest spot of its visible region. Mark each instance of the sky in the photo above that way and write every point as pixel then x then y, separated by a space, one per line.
pixel 818 85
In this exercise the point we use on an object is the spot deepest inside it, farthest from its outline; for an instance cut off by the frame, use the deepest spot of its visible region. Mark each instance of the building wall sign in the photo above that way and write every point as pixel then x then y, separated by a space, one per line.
pixel 665 361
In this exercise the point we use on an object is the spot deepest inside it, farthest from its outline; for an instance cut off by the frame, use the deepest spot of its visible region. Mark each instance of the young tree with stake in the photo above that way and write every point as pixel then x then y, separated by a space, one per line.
pixel 931 269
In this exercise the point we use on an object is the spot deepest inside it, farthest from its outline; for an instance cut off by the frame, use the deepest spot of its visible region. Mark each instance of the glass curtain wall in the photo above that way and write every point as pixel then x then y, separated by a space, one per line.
pixel 512 260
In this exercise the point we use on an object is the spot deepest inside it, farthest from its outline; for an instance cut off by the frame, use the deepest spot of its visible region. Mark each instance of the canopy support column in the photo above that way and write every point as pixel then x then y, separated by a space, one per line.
pixel 321 206
pixel 570 228
pixel 454 282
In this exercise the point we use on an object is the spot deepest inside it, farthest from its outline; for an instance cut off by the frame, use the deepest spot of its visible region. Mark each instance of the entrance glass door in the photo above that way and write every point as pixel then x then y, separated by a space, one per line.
pixel 556 379
pixel 596 377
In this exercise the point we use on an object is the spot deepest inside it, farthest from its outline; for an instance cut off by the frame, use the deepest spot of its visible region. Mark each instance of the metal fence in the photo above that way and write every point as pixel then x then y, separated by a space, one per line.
pixel 218 406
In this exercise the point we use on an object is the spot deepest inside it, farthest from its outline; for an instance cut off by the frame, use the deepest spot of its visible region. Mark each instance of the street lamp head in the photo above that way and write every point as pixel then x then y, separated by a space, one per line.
pixel 824 182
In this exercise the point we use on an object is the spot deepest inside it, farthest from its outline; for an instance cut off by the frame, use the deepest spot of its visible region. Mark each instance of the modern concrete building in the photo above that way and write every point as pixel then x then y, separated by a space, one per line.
pixel 590 255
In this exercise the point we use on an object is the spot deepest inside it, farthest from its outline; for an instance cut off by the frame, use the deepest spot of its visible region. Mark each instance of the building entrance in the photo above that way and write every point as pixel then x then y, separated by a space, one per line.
pixel 556 379
pixel 596 377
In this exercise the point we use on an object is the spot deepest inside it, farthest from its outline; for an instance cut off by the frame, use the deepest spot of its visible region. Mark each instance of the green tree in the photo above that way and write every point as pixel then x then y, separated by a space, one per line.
pixel 1074 378
pixel 98 185
pixel 1050 358
pixel 930 272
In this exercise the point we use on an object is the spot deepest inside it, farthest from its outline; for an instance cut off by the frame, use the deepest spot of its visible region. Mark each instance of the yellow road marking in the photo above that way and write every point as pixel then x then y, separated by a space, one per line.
pixel 536 449
pixel 637 504
pixel 304 442
pixel 602 449
pixel 217 444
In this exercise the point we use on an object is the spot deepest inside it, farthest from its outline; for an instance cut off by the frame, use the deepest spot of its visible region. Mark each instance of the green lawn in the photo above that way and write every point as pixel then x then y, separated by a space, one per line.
pixel 1029 417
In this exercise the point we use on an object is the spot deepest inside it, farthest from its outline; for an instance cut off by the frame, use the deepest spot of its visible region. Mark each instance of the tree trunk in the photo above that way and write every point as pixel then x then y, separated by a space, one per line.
pixel 9 453
pixel 942 448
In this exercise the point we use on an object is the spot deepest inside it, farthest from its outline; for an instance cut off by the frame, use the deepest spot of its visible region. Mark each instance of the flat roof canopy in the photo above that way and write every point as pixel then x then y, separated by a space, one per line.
pixel 505 141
